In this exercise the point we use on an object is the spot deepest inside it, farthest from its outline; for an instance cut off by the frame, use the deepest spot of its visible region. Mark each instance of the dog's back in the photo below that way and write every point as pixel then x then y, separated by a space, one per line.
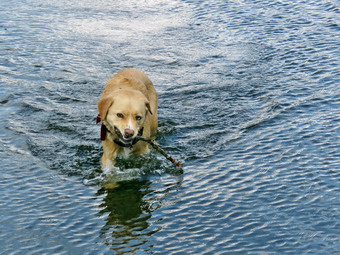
pixel 131 78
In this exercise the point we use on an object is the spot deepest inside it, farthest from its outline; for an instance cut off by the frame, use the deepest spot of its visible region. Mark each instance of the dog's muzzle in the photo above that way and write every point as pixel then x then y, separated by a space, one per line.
pixel 127 140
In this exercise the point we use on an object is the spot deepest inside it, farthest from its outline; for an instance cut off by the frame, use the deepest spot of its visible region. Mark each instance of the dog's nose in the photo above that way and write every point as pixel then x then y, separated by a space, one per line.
pixel 128 133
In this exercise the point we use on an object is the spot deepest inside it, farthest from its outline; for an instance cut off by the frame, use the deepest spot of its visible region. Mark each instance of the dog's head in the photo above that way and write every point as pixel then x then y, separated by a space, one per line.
pixel 125 111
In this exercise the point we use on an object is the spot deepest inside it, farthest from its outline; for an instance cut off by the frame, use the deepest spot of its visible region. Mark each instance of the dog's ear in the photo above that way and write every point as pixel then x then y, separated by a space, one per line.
pixel 103 106
pixel 147 104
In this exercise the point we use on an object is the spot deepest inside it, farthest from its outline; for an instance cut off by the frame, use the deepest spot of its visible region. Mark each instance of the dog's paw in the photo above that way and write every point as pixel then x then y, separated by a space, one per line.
pixel 110 170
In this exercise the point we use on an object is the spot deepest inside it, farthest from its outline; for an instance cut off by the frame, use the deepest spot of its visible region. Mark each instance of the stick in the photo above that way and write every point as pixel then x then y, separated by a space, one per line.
pixel 160 150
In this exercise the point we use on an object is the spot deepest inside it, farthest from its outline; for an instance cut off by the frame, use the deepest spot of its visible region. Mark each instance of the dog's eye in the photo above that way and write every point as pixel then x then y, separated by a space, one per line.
pixel 138 117
pixel 120 115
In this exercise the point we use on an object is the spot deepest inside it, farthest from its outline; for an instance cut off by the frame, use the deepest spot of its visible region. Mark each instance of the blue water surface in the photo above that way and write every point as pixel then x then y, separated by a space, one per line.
pixel 249 101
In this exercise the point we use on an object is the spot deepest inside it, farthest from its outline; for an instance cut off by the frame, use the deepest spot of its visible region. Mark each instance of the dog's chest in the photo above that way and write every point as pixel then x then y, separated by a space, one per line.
pixel 125 153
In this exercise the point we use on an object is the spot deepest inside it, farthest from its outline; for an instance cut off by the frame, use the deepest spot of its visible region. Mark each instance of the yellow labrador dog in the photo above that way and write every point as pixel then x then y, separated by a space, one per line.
pixel 127 108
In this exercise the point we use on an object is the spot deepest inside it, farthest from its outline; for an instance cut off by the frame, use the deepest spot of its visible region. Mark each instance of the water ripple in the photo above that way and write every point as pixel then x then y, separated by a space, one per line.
pixel 248 95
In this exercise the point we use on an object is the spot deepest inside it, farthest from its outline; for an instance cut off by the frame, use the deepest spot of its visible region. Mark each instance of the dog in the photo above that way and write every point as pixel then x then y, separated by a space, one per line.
pixel 127 108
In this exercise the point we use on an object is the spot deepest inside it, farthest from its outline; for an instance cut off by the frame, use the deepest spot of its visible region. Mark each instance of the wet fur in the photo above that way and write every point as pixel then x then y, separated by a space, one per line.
pixel 130 92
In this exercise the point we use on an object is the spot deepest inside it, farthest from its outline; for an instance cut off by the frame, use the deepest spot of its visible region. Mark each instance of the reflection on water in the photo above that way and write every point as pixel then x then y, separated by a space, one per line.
pixel 127 215
pixel 128 208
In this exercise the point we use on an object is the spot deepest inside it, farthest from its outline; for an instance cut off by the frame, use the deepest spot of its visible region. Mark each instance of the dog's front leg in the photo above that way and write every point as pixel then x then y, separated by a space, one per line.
pixel 110 151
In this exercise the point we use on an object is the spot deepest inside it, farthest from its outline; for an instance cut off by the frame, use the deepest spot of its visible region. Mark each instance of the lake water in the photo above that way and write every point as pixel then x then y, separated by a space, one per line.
pixel 249 101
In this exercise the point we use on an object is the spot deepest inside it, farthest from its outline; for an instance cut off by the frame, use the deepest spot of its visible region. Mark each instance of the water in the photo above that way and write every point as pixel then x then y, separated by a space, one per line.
pixel 249 101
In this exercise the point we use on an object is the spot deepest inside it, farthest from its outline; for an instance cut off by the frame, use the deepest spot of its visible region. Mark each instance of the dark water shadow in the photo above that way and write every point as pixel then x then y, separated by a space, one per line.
pixel 128 208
